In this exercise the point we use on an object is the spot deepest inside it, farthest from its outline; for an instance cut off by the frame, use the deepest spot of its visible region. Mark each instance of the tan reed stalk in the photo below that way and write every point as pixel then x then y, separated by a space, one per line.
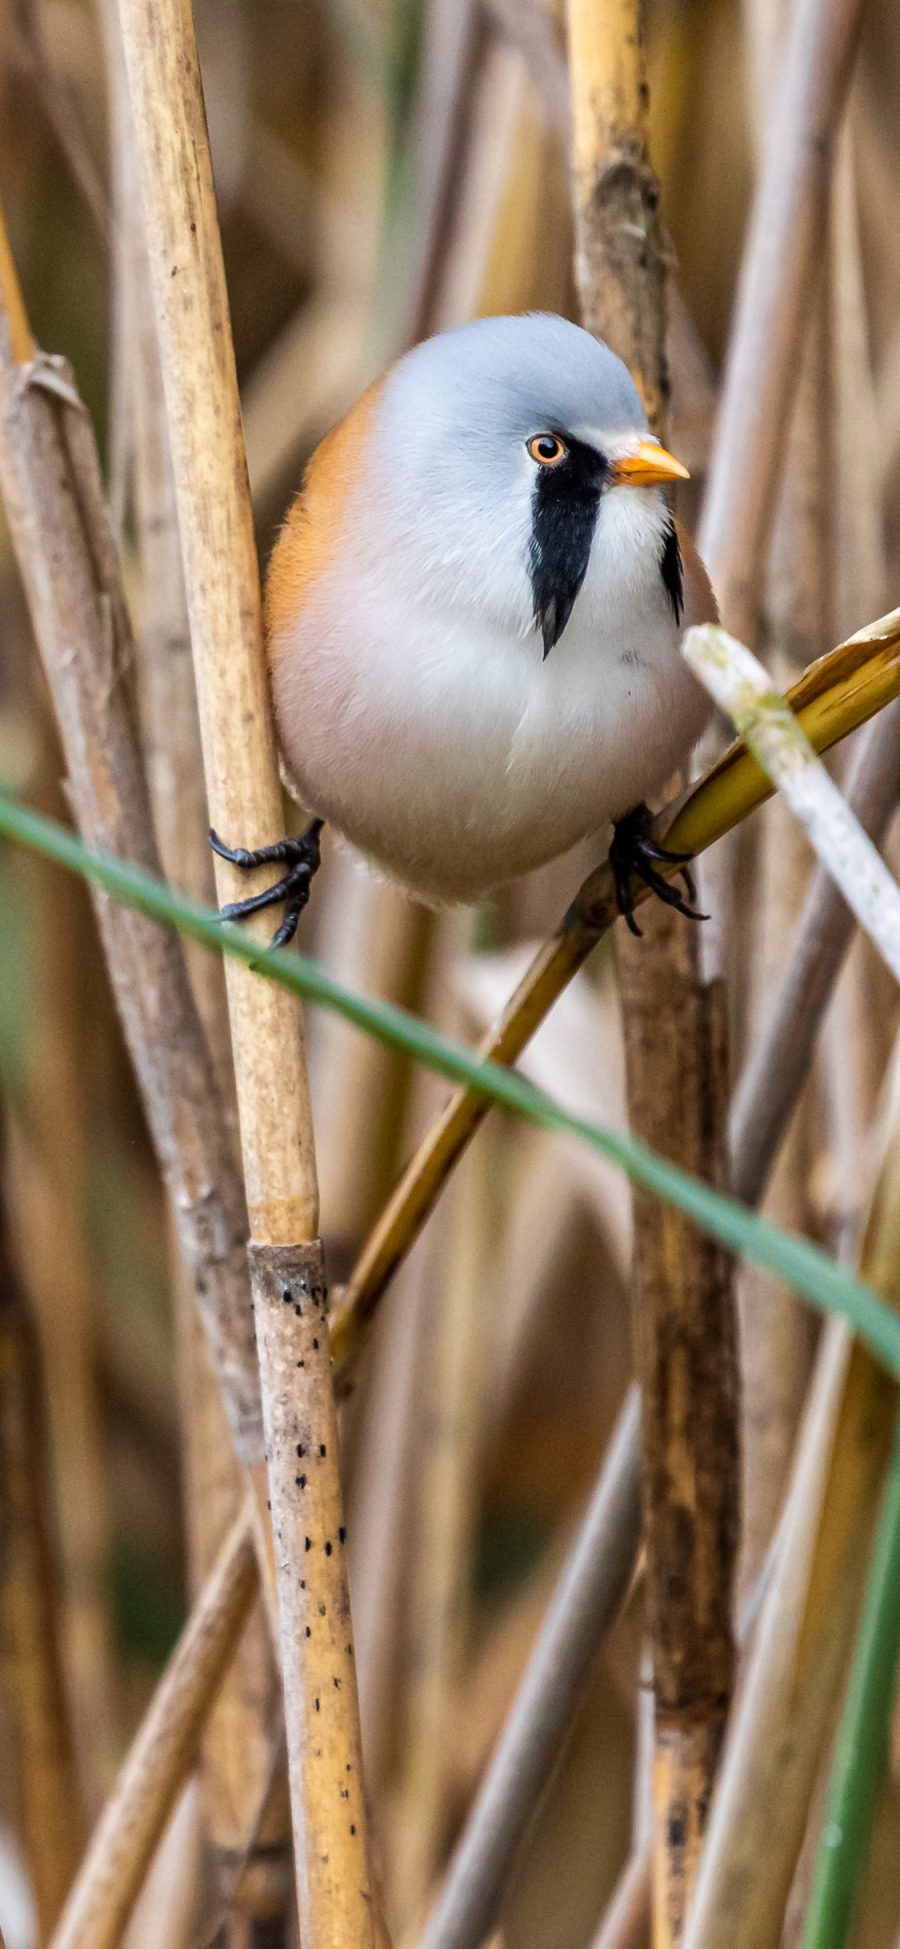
pixel 50 478
pixel 592 1585
pixel 48 1181
pixel 675 1059
pixel 772 305
pixel 626 1924
pixel 287 1272
pixel 451 1378
pixel 742 687
pixel 775 1333
pixel 45 1786
pixel 243 1739
pixel 776 1744
pixel 165 1917
pixel 123 1842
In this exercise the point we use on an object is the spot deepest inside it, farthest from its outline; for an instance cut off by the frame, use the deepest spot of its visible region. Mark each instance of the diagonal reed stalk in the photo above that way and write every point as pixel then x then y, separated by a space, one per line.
pixel 286 1266
pixel 163 1751
pixel 743 688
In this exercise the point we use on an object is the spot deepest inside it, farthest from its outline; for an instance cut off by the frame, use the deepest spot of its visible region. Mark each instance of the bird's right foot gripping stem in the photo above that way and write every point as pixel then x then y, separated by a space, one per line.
pixel 300 855
pixel 634 851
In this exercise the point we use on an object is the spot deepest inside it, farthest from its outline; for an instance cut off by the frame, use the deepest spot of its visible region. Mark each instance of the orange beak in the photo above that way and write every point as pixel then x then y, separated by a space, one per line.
pixel 647 465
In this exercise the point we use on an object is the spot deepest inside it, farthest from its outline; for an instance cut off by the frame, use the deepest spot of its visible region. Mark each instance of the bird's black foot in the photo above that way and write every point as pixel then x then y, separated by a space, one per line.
pixel 301 857
pixel 633 851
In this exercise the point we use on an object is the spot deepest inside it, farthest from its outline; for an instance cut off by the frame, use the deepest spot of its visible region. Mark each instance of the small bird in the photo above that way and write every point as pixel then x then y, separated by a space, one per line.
pixel 472 621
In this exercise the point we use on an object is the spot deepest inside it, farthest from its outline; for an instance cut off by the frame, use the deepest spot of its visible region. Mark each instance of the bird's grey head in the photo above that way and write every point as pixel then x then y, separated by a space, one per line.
pixel 493 447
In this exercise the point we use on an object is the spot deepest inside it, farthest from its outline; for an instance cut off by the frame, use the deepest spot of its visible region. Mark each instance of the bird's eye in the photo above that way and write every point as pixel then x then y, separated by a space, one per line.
pixel 547 449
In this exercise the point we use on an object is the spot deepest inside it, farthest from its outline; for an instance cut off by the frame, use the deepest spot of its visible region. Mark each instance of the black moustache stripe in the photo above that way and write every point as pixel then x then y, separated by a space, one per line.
pixel 566 500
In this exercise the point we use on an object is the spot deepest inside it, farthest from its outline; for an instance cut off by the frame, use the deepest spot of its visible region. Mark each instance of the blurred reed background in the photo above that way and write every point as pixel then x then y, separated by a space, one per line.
pixel 383 171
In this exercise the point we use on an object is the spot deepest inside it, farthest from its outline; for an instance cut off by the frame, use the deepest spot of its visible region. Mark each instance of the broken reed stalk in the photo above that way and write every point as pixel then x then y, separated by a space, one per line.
pixel 287 1271
pixel 123 1842
pixel 43 1773
pixel 243 1739
pixel 675 1059
pixel 741 687
pixel 772 305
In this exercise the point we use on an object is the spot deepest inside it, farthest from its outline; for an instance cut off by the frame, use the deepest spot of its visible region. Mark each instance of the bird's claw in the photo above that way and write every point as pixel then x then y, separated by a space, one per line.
pixel 301 856
pixel 634 851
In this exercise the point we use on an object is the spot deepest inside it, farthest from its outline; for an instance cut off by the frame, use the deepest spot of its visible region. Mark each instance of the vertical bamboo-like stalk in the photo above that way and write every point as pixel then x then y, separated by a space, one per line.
pixel 675 1062
pixel 242 1741
pixel 287 1274
pixel 772 301
pixel 48 1172
pixel 45 1786
pixel 775 1342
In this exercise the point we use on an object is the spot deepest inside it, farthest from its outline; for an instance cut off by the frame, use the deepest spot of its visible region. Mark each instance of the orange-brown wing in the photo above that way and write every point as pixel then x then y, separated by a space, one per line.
pixel 313 527
pixel 700 605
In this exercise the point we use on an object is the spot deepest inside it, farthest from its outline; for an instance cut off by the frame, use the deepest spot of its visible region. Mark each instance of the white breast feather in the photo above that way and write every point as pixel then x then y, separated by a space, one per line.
pixel 438 741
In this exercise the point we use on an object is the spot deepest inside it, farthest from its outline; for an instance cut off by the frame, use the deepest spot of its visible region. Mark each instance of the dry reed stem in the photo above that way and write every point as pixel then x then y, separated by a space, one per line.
pixel 675 1058
pixel 775 1746
pixel 161 1754
pixel 589 1592
pixel 51 485
pixel 243 1738
pixel 772 303
pixel 796 626
pixel 197 357
pixel 626 1924
pixel 832 698
pixel 781 1055
pixel 448 1403
pixel 741 687
pixel 44 1779
pixel 49 1182
pixel 622 251
pixel 222 583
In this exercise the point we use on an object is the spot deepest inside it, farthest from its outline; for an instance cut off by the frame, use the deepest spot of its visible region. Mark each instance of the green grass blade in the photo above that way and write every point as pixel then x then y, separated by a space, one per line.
pixel 861 1749
pixel 803 1267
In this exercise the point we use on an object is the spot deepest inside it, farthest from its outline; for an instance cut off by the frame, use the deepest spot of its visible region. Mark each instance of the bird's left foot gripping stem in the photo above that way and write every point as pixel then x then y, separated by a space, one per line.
pixel 301 857
pixel 635 851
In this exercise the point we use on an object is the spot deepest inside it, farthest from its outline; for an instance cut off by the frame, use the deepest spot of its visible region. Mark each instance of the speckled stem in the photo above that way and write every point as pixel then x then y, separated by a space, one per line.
pixel 291 1306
